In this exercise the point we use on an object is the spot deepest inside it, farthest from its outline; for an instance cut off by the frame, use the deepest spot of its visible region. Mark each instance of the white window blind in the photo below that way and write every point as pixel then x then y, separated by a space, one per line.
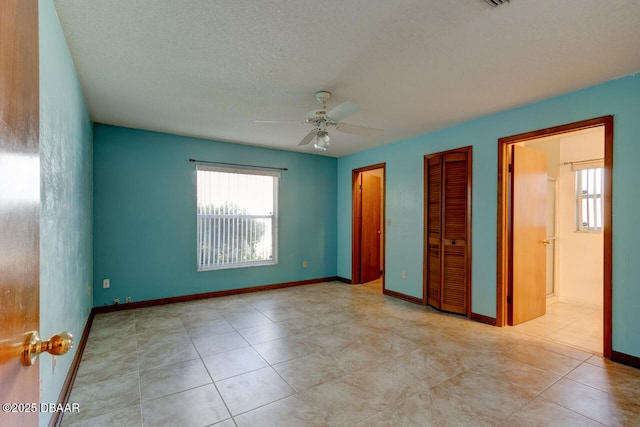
pixel 589 204
pixel 237 217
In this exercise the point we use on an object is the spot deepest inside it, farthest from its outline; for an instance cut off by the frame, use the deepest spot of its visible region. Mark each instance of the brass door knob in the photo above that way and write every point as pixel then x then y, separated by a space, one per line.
pixel 58 344
pixel 546 242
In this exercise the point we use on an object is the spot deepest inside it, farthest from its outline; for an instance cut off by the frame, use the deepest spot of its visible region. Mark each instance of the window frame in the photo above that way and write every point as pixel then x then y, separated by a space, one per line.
pixel 273 217
pixel 595 199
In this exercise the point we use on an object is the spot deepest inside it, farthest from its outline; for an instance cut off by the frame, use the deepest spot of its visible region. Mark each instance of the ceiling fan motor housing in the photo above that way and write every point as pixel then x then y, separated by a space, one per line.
pixel 316 117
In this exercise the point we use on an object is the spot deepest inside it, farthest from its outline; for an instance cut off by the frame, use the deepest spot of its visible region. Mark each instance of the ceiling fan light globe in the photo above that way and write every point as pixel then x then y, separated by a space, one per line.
pixel 323 136
pixel 322 141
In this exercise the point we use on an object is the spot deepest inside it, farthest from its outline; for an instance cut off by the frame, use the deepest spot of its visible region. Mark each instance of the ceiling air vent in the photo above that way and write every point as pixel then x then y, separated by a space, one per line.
pixel 496 3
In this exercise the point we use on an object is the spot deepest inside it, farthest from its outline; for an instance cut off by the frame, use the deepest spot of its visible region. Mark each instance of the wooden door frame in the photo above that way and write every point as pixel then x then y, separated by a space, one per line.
pixel 356 223
pixel 503 216
pixel 469 151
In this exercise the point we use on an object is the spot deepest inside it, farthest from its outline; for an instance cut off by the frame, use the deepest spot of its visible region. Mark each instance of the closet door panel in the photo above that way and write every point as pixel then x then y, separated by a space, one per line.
pixel 454 223
pixel 433 235
pixel 454 290
pixel 455 197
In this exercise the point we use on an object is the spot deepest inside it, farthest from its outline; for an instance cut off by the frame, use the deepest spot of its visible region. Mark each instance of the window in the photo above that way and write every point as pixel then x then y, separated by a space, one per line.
pixel 589 209
pixel 237 217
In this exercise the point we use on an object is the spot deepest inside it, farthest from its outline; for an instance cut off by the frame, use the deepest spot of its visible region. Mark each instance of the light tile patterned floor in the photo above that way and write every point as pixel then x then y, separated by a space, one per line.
pixel 573 325
pixel 333 354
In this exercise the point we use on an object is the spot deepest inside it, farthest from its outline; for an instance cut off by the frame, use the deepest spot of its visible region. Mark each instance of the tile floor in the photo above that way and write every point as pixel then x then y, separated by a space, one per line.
pixel 574 325
pixel 333 354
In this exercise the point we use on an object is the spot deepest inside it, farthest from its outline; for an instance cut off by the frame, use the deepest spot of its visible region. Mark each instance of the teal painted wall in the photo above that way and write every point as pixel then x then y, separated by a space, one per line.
pixel 145 221
pixel 404 190
pixel 66 201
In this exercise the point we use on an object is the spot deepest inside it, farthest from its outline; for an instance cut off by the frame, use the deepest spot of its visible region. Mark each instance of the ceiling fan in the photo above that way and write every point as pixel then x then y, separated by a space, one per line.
pixel 321 120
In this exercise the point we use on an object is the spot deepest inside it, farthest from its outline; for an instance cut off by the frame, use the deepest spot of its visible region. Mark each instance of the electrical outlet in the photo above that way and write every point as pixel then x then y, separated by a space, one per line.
pixel 127 299
pixel 404 275
pixel 106 283
pixel 116 301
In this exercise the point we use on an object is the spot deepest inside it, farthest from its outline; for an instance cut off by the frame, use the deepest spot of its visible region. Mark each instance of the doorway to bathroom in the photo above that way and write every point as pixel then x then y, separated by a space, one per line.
pixel 554 234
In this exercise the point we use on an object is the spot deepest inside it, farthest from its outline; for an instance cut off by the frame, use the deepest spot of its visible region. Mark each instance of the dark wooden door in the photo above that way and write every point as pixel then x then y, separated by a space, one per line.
pixel 454 233
pixel 448 223
pixel 433 209
pixel 371 227
pixel 529 218
pixel 19 204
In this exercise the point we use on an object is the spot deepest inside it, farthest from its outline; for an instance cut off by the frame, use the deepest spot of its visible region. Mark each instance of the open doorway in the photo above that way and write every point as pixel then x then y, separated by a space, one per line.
pixel 368 225
pixel 573 249
pixel 573 242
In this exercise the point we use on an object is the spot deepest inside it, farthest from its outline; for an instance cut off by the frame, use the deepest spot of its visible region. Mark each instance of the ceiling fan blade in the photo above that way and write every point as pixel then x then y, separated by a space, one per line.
pixel 358 130
pixel 307 139
pixel 342 111
pixel 277 122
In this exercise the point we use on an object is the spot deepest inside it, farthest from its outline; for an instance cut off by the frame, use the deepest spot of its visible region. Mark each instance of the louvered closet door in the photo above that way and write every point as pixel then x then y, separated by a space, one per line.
pixel 447 231
pixel 454 215
pixel 434 236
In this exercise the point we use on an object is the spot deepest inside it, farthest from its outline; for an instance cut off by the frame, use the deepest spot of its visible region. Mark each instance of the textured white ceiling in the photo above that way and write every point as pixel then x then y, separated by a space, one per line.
pixel 209 68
